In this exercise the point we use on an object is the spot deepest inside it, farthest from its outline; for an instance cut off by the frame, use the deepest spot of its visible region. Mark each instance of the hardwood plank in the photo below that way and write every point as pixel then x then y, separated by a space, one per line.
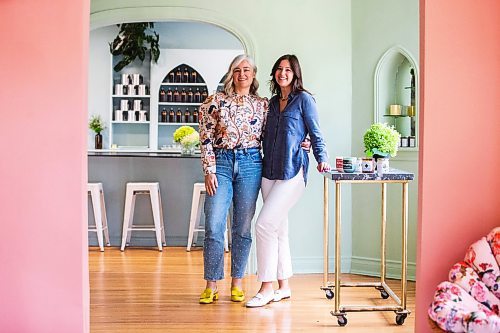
pixel 142 290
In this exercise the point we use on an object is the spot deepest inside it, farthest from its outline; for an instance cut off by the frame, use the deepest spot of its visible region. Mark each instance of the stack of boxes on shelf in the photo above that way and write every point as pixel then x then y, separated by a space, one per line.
pixel 131 110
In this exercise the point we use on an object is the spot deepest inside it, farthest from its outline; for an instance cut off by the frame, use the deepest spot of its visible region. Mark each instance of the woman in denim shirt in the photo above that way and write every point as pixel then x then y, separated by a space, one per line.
pixel 292 116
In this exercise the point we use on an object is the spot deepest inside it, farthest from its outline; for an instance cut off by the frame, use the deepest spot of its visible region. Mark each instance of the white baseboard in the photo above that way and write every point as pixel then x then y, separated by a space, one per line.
pixel 371 267
pixel 354 265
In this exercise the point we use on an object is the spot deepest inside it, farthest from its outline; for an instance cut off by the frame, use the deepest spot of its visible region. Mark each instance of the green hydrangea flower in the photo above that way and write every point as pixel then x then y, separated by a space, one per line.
pixel 381 139
pixel 182 131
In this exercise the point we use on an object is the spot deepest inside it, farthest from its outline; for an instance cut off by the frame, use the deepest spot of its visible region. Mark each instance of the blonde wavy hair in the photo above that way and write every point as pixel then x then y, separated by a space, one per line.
pixel 228 80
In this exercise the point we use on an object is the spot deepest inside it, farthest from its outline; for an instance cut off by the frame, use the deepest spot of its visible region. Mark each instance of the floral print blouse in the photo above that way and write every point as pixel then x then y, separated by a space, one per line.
pixel 230 122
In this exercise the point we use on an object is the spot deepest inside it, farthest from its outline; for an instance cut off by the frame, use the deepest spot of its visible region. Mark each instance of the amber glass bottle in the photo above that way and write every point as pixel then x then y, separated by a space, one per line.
pixel 178 75
pixel 195 115
pixel 204 95
pixel 183 96
pixel 197 96
pixel 178 116
pixel 177 96
pixel 163 118
pixel 194 77
pixel 171 116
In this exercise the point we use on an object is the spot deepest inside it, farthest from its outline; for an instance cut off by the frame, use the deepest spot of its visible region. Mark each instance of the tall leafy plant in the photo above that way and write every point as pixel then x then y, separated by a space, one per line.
pixel 135 40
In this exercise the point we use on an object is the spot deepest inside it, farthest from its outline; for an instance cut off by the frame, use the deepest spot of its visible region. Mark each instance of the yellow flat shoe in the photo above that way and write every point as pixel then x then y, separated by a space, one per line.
pixel 237 295
pixel 208 296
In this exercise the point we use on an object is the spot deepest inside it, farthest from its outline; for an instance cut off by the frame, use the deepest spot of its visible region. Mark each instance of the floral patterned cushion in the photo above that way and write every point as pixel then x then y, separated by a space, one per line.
pixel 454 310
pixel 480 256
pixel 465 277
pixel 470 300
pixel 493 239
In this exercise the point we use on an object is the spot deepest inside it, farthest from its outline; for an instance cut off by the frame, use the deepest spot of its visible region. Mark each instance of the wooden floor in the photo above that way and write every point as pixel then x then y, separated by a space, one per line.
pixel 143 290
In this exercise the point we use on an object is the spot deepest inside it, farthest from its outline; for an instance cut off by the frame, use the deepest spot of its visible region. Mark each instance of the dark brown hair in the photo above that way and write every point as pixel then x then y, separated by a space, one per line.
pixel 297 85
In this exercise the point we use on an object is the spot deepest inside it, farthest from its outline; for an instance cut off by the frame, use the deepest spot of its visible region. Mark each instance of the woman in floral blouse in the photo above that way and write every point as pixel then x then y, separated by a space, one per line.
pixel 231 125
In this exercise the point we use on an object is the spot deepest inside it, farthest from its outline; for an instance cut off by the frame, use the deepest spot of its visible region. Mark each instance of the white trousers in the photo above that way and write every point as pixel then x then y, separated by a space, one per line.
pixel 273 250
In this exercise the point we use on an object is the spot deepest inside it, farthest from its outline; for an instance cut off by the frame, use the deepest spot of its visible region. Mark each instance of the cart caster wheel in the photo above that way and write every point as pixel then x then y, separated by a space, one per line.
pixel 342 320
pixel 329 294
pixel 400 318
pixel 384 294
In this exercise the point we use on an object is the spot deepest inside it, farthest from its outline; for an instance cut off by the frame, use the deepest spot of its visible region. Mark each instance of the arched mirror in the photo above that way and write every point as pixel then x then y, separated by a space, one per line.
pixel 396 94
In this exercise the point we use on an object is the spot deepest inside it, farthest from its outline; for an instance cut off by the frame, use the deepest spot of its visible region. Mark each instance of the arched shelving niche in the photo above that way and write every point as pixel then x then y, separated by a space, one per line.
pixel 180 94
pixel 396 82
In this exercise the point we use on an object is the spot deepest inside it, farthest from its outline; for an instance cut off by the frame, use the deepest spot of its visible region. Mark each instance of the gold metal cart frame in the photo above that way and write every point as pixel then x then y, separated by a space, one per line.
pixel 394 176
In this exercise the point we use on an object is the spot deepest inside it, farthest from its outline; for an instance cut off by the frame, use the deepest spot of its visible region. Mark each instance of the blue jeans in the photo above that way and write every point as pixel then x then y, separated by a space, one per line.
pixel 239 176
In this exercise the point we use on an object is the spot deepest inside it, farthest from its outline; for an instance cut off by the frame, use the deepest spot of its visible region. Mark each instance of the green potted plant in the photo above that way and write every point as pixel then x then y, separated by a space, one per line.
pixel 135 40
pixel 96 124
pixel 189 139
pixel 381 141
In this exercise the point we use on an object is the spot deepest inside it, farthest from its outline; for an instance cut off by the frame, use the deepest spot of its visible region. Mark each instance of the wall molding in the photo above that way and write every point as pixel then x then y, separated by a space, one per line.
pixel 371 267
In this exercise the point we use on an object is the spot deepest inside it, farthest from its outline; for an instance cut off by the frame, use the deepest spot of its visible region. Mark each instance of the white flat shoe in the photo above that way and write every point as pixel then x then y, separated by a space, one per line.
pixel 282 294
pixel 259 300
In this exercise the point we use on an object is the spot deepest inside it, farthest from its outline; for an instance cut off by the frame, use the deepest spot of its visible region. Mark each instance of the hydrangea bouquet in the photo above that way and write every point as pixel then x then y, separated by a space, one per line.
pixel 188 137
pixel 381 140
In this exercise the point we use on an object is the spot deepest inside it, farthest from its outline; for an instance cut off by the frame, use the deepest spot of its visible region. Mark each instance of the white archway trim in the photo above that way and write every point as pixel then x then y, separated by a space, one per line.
pixel 112 16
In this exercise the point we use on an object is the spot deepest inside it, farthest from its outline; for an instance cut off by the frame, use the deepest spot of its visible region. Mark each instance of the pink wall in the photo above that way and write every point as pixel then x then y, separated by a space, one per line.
pixel 460 155
pixel 43 94
pixel 43 243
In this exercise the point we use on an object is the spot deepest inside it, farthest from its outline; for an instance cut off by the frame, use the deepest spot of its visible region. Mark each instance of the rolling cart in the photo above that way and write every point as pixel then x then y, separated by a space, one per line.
pixel 333 290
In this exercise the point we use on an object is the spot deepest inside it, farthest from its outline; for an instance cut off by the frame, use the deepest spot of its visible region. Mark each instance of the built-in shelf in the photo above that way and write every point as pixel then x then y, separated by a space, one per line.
pixel 129 122
pixel 131 96
pixel 177 124
pixel 179 103
pixel 197 84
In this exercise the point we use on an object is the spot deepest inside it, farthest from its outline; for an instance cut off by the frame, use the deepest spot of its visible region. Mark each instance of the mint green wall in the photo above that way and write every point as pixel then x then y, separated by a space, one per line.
pixel 319 33
pixel 376 27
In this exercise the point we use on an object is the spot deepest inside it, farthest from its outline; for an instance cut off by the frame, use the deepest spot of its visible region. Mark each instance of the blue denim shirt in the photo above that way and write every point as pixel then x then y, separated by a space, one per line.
pixel 284 133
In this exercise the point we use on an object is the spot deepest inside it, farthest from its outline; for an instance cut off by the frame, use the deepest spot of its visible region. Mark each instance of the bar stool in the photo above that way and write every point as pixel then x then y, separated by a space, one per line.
pixel 101 222
pixel 153 190
pixel 199 193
